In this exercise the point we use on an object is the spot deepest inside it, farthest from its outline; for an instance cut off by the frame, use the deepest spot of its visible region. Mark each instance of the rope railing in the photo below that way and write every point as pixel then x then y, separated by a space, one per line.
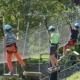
pixel 47 77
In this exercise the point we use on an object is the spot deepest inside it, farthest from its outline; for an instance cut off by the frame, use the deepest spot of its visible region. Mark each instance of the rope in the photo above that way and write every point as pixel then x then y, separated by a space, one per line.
pixel 70 67
pixel 4 54
pixel 29 5
pixel 45 78
pixel 24 47
pixel 17 39
pixel 39 67
pixel 62 70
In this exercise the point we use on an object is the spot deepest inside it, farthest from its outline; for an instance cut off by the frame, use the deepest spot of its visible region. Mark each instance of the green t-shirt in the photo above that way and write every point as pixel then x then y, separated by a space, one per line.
pixel 55 38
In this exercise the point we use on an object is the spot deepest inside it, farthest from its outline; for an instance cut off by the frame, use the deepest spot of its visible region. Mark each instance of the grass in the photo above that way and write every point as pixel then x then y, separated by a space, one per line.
pixel 43 57
pixel 0 77
pixel 75 76
pixel 37 56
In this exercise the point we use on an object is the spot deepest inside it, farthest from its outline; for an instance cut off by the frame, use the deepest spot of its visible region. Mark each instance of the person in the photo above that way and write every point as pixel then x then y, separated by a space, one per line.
pixel 73 38
pixel 11 49
pixel 54 41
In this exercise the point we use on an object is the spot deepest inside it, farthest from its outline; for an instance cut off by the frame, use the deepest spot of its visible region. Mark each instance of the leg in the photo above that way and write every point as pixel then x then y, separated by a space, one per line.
pixel 9 61
pixel 19 58
pixel 53 60
pixel 54 63
pixel 53 55
pixel 17 55
pixel 73 45
pixel 54 76
pixel 67 48
pixel 10 50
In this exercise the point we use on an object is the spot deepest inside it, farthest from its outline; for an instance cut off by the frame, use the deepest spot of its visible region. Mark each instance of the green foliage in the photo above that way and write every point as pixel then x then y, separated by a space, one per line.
pixel 34 11
pixel 14 10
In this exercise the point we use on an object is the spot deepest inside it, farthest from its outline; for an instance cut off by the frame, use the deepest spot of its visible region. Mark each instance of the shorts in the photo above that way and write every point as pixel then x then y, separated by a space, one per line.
pixel 53 49
pixel 70 43
pixel 12 48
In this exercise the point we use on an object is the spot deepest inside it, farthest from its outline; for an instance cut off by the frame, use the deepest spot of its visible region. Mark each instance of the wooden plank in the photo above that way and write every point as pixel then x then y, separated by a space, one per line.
pixel 10 77
pixel 36 74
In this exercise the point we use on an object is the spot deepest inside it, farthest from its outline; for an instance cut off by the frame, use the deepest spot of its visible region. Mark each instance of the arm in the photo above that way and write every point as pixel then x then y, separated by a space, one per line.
pixel 4 42
pixel 14 36
pixel 70 27
pixel 46 25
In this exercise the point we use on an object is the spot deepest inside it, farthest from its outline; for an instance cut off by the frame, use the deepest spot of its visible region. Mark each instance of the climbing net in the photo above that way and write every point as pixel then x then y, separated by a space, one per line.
pixel 37 42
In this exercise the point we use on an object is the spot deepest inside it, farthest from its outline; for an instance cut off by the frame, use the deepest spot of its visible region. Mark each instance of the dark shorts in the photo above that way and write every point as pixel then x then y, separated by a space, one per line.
pixel 12 48
pixel 70 43
pixel 53 49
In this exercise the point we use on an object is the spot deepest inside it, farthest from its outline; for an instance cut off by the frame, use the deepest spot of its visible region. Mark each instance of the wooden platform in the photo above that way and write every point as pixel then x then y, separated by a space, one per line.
pixel 33 74
pixel 30 75
pixel 10 77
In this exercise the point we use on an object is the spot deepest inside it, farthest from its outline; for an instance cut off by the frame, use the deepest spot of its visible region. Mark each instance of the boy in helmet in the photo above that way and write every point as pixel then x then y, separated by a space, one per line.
pixel 54 41
pixel 11 48
pixel 73 38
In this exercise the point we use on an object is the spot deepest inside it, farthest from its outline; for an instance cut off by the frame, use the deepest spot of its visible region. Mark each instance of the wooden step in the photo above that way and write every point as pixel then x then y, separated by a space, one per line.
pixel 10 77
pixel 36 74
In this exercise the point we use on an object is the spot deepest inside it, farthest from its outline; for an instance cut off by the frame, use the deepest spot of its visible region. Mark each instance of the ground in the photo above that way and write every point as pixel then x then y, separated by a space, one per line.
pixel 75 76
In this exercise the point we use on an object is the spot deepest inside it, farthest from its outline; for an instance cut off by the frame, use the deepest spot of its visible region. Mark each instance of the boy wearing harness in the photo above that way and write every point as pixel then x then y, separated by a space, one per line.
pixel 54 41
pixel 73 38
pixel 11 48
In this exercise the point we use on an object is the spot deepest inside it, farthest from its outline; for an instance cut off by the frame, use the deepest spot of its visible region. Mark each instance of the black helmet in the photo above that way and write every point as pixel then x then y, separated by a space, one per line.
pixel 51 28
pixel 77 25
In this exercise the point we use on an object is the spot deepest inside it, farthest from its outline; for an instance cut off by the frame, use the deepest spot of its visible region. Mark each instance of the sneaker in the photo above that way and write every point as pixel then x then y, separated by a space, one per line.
pixel 61 58
pixel 50 69
pixel 24 73
pixel 57 68
pixel 53 69
pixel 10 73
pixel 68 50
pixel 76 53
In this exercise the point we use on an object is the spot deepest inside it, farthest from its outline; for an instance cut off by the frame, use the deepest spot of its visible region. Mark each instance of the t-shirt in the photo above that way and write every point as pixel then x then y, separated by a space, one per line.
pixel 54 38
pixel 10 38
pixel 74 34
